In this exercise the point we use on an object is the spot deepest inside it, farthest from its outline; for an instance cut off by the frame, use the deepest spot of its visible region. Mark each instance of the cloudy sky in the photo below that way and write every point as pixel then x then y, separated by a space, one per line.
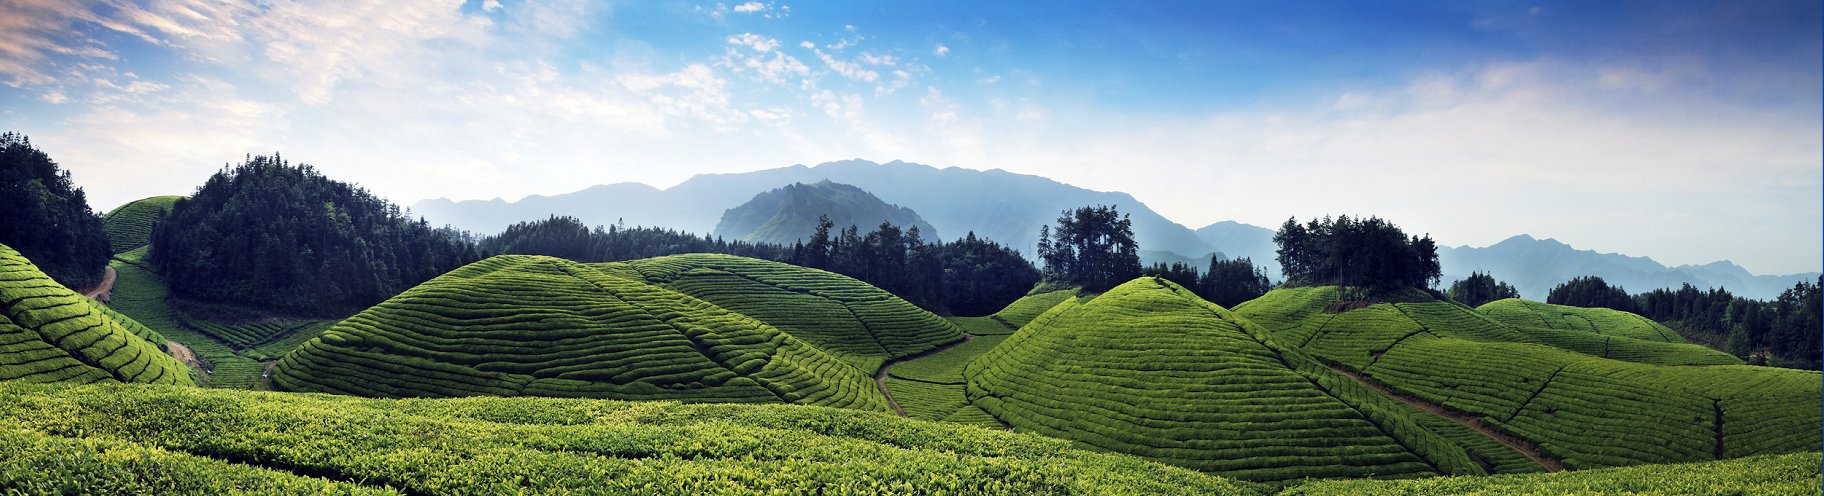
pixel 1685 131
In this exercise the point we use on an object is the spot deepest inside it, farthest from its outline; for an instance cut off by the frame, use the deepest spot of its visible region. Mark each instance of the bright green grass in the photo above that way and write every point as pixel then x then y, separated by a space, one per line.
pixel 1523 313
pixel 1587 411
pixel 141 295
pixel 981 326
pixel 854 321
pixel 945 367
pixel 132 439
pixel 1028 307
pixel 130 226
pixel 51 334
pixel 1770 475
pixel 931 387
pixel 516 325
pixel 1150 369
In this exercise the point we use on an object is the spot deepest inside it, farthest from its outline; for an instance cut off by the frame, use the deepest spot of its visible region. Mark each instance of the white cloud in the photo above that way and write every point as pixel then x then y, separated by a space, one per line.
pixel 756 42
pixel 941 50
pixel 491 5
pixel 847 69
pixel 750 7
pixel 54 97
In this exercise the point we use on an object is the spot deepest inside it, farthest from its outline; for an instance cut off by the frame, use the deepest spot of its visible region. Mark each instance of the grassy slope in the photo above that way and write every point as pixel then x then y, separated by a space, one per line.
pixel 541 326
pixel 1770 475
pixel 1587 411
pixel 51 334
pixel 1603 333
pixel 139 294
pixel 1150 369
pixel 212 441
pixel 1028 307
pixel 845 317
pixel 931 387
pixel 129 226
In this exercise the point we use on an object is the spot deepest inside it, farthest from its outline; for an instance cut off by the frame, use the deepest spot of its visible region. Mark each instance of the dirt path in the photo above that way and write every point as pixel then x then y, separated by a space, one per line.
pixel 101 290
pixel 1472 422
pixel 184 354
pixel 880 378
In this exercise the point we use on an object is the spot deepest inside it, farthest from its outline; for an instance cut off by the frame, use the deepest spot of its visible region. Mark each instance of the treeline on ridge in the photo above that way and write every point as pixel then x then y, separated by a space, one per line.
pixel 48 217
pixel 1781 332
pixel 1368 253
pixel 268 234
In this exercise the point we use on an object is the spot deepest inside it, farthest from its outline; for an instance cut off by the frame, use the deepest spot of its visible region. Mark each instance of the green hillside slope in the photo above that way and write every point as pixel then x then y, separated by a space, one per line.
pixel 51 334
pixel 1150 369
pixel 1767 475
pixel 1023 310
pixel 161 440
pixel 130 226
pixel 1584 410
pixel 531 325
pixel 1522 313
pixel 847 318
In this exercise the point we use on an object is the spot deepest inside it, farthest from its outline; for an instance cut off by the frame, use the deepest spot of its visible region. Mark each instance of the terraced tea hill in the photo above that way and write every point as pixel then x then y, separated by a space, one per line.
pixel 1523 313
pixel 130 226
pixel 931 387
pixel 139 294
pixel 249 334
pixel 156 440
pixel 51 334
pixel 1023 310
pixel 1150 369
pixel 539 326
pixel 981 326
pixel 847 318
pixel 1584 410
pixel 1787 475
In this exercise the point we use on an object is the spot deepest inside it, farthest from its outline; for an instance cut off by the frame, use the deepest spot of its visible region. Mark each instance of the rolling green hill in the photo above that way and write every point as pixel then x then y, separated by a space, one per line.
pixel 162 440
pixel 847 318
pixel 1785 475
pixel 130 226
pixel 531 325
pixel 788 215
pixel 1028 307
pixel 1522 313
pixel 1584 410
pixel 1150 369
pixel 51 334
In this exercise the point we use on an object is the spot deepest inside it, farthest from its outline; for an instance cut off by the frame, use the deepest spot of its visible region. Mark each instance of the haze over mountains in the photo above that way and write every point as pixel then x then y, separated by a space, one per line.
pixel 789 214
pixel 1010 208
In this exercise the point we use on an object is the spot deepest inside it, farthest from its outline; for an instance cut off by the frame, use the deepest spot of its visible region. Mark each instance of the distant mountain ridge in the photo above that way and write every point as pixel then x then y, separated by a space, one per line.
pixel 789 214
pixel 1534 266
pixel 995 204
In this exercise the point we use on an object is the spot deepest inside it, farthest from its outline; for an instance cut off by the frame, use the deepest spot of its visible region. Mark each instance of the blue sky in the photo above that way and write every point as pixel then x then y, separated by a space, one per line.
pixel 1685 131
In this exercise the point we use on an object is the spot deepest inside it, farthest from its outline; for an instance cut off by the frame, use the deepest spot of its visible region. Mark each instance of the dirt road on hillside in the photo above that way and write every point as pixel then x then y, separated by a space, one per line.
pixel 1472 422
pixel 101 290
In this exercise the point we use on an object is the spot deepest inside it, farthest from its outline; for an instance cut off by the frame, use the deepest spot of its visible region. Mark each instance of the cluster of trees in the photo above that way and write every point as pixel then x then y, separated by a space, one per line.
pixel 1782 332
pixel 46 217
pixel 1369 253
pixel 1092 247
pixel 567 237
pixel 970 276
pixel 1591 292
pixel 1227 282
pixel 268 234
pixel 1480 288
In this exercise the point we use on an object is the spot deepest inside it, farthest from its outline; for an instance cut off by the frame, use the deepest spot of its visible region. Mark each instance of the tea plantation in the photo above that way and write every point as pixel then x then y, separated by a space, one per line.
pixel 51 334
pixel 140 439
pixel 130 226
pixel 1028 307
pixel 1584 410
pixel 516 325
pixel 1522 313
pixel 1148 368
pixel 847 318
pixel 1768 475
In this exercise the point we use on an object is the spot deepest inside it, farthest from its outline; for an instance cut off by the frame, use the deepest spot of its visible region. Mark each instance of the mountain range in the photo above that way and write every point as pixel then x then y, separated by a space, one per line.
pixel 787 215
pixel 1009 208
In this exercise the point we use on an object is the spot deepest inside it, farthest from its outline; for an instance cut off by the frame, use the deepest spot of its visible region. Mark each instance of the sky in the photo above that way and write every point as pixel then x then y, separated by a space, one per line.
pixel 1685 131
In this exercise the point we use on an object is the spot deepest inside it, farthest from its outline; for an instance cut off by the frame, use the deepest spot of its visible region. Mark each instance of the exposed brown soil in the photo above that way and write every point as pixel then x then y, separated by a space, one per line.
pixel 101 290
pixel 880 378
pixel 1474 423
pixel 184 354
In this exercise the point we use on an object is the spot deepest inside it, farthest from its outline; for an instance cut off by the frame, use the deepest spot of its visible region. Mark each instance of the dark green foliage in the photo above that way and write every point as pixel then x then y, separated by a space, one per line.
pixel 789 215
pixel 1148 368
pixel 1370 253
pixel 48 219
pixel 566 237
pixel 979 276
pixel 1092 247
pixel 1227 283
pixel 1479 289
pixel 271 235
pixel 1590 292
pixel 516 325
pixel 1783 332
pixel 160 440
pixel 51 334
pixel 130 226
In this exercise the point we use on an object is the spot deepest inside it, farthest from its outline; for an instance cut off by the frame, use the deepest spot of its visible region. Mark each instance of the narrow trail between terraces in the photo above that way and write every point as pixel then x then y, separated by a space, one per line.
pixel 880 378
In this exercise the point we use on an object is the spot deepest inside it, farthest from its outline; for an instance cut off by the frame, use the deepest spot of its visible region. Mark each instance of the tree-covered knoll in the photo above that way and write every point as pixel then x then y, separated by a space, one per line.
pixel 1480 288
pixel 1782 332
pixel 268 234
pixel 47 217
pixel 1092 247
pixel 1591 292
pixel 1343 251
pixel 1227 282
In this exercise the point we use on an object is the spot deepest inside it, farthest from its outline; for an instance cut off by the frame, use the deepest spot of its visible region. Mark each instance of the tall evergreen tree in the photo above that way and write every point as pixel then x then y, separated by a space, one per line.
pixel 1092 247
pixel 1480 288
pixel 46 217
pixel 1590 292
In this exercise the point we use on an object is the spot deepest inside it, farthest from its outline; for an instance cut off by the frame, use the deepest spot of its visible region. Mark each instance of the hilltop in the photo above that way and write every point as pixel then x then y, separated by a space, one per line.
pixel 790 214
pixel 129 226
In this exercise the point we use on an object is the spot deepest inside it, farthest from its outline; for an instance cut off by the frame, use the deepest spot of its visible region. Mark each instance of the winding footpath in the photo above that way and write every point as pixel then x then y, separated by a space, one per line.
pixel 101 290
pixel 880 378
pixel 1475 424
